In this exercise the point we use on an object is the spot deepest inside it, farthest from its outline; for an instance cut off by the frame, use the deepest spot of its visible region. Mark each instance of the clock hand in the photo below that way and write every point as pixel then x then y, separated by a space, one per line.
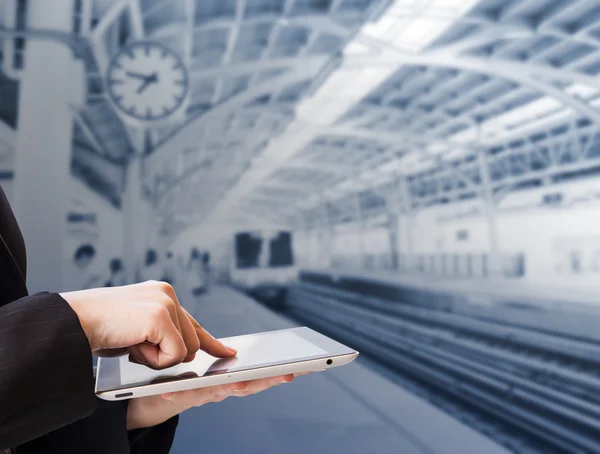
pixel 152 79
pixel 138 75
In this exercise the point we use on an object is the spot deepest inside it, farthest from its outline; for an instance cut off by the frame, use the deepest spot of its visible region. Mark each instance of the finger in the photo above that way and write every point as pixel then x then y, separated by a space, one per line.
pixel 189 358
pixel 208 343
pixel 256 386
pixel 166 346
pixel 300 374
pixel 189 334
pixel 198 397
pixel 184 325
pixel 172 305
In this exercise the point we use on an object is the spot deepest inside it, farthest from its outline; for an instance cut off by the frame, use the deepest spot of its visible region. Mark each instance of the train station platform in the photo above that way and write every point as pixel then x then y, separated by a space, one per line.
pixel 553 292
pixel 350 410
pixel 569 306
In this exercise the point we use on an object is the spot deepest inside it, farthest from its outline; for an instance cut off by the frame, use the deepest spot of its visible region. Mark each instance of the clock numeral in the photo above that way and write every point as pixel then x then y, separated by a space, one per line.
pixel 131 111
pixel 177 65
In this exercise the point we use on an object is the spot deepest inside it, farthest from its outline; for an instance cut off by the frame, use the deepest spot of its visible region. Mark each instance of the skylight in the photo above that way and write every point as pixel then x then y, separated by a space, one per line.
pixel 409 25
pixel 412 25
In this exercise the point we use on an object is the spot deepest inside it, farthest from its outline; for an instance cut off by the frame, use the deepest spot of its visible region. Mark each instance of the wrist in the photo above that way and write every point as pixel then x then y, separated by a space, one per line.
pixel 77 304
pixel 151 411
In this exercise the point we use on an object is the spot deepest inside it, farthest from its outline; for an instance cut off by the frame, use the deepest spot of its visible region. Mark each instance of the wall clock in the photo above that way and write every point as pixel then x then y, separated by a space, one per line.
pixel 147 81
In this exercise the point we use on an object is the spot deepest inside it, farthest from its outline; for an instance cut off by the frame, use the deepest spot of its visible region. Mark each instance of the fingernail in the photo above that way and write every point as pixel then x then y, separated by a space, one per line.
pixel 168 396
pixel 232 351
pixel 288 379
pixel 240 386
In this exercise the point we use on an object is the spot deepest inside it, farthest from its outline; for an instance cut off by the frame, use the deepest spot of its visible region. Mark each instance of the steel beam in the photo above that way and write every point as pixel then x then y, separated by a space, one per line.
pixel 188 132
pixel 537 77
pixel 137 19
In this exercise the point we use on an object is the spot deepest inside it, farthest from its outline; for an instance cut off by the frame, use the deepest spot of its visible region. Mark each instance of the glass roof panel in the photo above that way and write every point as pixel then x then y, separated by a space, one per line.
pixel 412 25
pixel 207 10
pixel 264 7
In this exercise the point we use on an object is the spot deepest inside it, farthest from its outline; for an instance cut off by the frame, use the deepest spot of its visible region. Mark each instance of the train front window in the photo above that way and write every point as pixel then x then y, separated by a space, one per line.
pixel 263 250
pixel 281 250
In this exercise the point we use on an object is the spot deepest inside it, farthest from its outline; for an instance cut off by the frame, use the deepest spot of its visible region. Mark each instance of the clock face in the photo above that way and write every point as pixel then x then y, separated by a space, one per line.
pixel 147 81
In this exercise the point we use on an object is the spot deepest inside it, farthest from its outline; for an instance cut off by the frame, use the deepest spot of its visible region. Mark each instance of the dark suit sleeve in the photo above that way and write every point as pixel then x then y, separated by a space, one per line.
pixel 46 374
pixel 155 440
pixel 104 432
pixel 47 400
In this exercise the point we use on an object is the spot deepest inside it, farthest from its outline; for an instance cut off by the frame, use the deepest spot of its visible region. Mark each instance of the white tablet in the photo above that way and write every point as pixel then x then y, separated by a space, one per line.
pixel 262 355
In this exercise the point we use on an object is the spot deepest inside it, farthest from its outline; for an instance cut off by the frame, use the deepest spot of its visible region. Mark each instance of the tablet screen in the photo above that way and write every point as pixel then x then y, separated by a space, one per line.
pixel 254 351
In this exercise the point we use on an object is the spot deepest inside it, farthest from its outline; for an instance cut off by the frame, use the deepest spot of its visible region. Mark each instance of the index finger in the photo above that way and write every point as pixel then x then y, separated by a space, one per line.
pixel 208 343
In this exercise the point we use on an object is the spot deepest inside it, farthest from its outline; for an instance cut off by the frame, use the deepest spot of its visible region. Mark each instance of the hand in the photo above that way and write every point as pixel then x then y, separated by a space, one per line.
pixel 154 410
pixel 149 80
pixel 138 76
pixel 145 320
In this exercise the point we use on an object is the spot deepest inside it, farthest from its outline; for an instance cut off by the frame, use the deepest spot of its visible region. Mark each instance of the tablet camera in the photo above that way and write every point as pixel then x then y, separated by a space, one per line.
pixel 329 362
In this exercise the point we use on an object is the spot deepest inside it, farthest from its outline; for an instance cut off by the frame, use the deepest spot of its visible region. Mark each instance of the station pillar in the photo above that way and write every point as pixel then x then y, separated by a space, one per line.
pixel 406 209
pixel 393 209
pixel 393 225
pixel 132 214
pixel 326 238
pixel 140 225
pixel 43 145
pixel 489 209
pixel 360 228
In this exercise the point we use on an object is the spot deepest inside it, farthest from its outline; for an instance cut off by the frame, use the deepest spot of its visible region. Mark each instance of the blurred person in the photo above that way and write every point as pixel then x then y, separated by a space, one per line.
pixel 169 273
pixel 207 270
pixel 152 270
pixel 47 380
pixel 83 274
pixel 196 277
pixel 117 276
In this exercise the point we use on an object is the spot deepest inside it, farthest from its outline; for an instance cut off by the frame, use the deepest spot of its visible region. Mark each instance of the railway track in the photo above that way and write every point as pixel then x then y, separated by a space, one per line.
pixel 545 386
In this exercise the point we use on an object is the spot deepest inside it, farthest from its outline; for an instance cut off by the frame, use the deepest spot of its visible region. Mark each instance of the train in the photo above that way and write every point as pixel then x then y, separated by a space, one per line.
pixel 263 265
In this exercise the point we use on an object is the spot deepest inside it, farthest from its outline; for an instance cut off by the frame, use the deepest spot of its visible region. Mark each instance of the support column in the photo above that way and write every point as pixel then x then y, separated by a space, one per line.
pixel 408 214
pixel 132 199
pixel 43 149
pixel 360 227
pixel 394 208
pixel 326 237
pixel 489 208
pixel 153 225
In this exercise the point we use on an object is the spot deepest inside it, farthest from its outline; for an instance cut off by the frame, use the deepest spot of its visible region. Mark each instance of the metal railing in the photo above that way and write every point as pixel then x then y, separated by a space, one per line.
pixel 466 265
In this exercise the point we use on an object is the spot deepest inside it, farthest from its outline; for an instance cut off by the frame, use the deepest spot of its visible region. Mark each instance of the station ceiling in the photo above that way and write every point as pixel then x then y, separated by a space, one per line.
pixel 305 109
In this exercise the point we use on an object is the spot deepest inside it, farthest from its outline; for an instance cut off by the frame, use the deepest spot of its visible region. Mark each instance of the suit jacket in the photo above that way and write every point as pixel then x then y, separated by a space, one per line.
pixel 47 400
